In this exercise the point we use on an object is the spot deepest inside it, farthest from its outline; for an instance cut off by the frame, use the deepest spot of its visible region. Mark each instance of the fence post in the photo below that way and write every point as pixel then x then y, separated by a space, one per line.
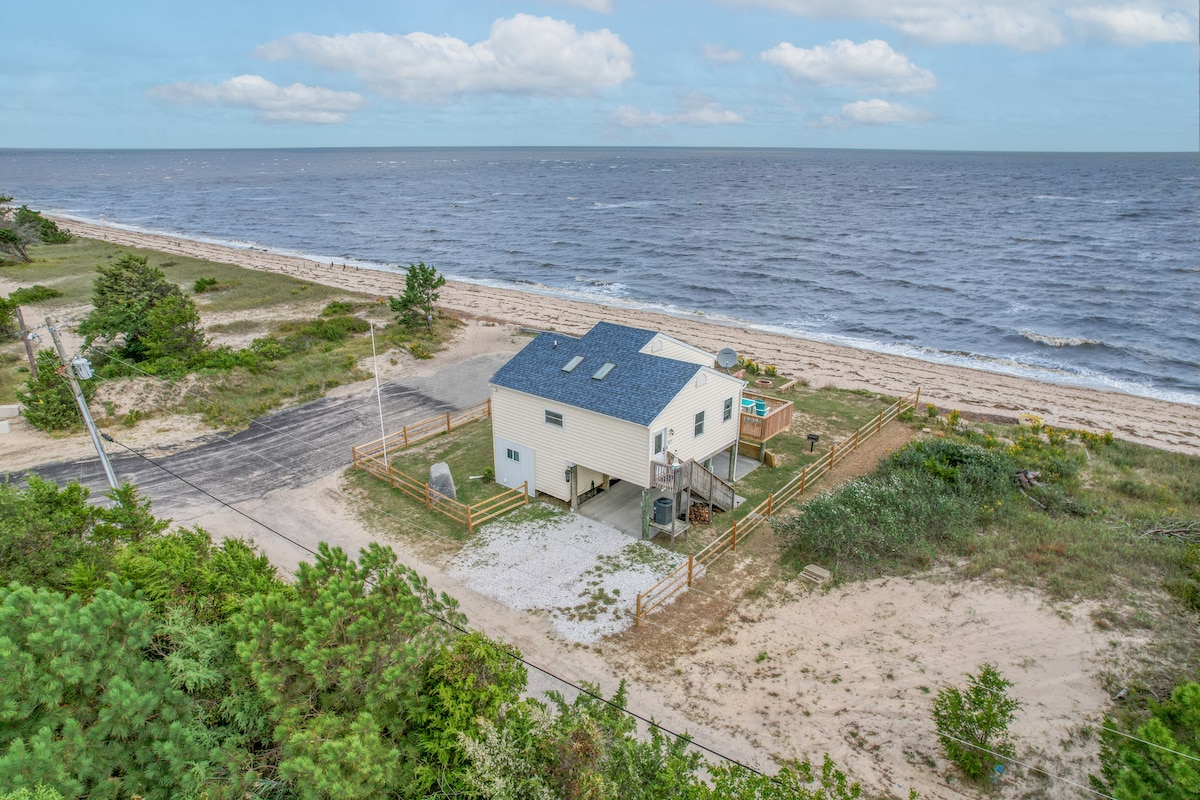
pixel 404 430
pixel 428 499
pixel 879 423
pixel 447 422
pixel 803 478
pixel 489 408
pixel 733 535
pixel 525 485
pixel 470 527
pixel 857 434
pixel 917 400
pixel 691 563
pixel 770 503
pixel 637 615
pixel 832 457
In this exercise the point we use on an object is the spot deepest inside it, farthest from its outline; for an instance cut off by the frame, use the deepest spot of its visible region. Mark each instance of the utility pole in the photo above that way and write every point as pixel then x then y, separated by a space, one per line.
pixel 81 401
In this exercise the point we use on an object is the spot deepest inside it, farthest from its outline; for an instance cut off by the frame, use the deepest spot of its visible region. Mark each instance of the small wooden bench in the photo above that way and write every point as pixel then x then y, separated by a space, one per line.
pixel 818 575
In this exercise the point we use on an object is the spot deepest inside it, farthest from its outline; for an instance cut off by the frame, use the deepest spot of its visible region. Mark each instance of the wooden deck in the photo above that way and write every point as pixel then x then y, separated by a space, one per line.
pixel 777 419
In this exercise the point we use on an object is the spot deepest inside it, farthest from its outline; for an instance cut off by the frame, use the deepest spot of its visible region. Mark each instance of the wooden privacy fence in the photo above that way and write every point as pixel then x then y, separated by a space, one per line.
pixel 369 458
pixel 698 563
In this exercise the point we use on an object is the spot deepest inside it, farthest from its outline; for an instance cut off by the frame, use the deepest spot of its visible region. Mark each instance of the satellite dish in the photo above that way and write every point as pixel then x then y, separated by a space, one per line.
pixel 726 358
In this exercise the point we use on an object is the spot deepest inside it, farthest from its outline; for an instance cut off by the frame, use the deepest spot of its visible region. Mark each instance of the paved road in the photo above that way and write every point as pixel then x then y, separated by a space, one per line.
pixel 287 449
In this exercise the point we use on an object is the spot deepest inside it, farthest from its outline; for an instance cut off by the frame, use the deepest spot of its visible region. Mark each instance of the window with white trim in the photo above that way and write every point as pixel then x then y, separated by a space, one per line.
pixel 728 414
pixel 513 455
pixel 699 423
pixel 554 418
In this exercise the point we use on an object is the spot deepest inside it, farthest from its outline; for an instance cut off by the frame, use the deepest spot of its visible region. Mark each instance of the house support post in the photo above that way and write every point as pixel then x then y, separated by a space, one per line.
pixel 574 487
pixel 646 513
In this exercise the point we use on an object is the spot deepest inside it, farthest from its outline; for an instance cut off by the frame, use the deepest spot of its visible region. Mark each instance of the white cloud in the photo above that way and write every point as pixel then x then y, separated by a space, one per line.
pixel 875 112
pixel 602 6
pixel 714 52
pixel 1019 24
pixel 1133 26
pixel 697 110
pixel 522 55
pixel 295 103
pixel 872 65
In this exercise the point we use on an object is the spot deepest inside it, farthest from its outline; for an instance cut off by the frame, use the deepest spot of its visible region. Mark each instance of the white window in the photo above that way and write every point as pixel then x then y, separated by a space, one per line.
pixel 513 455
pixel 728 415
pixel 554 418
pixel 699 423
pixel 660 442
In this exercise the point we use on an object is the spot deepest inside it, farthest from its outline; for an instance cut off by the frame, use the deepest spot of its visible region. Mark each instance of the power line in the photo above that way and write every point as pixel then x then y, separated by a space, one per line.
pixel 515 656
pixel 565 542
pixel 1003 757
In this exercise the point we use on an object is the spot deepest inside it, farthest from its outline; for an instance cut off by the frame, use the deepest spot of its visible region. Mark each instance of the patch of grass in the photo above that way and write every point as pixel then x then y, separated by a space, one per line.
pixel 466 450
pixel 1087 532
pixel 14 370
pixel 240 326
pixel 234 398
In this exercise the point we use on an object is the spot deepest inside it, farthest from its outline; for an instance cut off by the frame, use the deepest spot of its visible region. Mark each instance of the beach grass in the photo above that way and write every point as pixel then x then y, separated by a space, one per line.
pixel 1096 528
pixel 278 306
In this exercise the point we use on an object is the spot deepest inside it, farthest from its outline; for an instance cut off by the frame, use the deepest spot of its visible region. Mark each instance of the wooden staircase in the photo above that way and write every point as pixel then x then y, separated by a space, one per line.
pixel 694 478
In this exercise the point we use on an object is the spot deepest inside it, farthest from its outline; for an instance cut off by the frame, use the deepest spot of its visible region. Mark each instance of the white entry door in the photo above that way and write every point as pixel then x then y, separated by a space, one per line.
pixel 514 464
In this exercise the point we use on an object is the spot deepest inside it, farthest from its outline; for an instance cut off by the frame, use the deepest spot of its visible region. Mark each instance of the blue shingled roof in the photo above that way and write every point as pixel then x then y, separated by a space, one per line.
pixel 636 390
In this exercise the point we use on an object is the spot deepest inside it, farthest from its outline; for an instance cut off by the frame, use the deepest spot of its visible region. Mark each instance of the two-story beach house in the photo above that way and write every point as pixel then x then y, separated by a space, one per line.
pixel 572 414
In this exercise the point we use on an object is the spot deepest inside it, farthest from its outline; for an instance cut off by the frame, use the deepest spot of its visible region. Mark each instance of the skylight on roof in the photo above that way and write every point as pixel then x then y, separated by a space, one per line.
pixel 573 363
pixel 604 370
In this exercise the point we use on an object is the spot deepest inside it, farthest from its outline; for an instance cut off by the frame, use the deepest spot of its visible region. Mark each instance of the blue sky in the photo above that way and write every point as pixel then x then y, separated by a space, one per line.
pixel 1085 75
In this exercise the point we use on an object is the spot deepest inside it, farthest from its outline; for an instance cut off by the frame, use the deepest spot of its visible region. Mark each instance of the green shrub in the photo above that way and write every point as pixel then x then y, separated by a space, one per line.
pixel 203 285
pixel 931 493
pixel 269 349
pixel 972 726
pixel 33 294
pixel 48 400
pixel 336 308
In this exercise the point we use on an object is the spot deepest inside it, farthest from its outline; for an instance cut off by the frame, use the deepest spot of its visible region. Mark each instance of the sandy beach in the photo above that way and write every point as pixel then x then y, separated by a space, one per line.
pixel 1169 426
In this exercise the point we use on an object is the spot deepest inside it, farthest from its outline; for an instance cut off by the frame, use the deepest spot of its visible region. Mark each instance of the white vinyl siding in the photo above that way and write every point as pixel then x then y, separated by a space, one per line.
pixel 680 416
pixel 666 347
pixel 597 443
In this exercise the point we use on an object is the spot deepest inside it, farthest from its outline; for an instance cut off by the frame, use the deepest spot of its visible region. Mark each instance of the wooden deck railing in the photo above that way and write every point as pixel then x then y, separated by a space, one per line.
pixel 777 419
pixel 693 476
pixel 698 563
pixel 369 458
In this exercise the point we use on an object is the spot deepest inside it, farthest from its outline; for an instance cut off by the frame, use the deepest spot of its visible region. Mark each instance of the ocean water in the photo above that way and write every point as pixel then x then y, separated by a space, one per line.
pixel 1075 268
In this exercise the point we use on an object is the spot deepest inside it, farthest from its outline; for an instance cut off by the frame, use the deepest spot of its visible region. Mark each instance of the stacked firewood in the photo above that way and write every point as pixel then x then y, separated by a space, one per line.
pixel 698 513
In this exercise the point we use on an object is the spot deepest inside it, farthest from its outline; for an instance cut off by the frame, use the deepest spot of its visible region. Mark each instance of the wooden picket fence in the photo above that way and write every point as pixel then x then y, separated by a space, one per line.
pixel 698 563
pixel 370 459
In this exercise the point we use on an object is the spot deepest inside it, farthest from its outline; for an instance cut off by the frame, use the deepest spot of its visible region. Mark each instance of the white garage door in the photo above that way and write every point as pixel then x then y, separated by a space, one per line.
pixel 514 464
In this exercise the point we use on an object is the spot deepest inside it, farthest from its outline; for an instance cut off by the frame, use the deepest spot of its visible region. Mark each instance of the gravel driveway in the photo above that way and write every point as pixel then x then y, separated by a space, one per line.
pixel 582 574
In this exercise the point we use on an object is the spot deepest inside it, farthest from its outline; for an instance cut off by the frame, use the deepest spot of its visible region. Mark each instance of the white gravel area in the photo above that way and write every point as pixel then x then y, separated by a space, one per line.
pixel 584 575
